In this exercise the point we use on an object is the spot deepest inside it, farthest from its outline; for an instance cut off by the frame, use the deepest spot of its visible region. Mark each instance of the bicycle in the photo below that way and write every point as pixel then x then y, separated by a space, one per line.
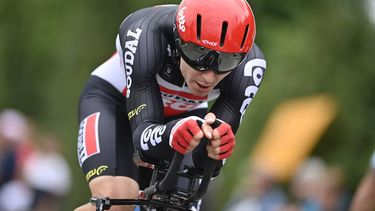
pixel 163 193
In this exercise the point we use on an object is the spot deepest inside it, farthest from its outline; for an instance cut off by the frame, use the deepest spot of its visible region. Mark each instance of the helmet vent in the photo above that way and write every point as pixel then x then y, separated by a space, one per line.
pixel 199 26
pixel 245 35
pixel 223 33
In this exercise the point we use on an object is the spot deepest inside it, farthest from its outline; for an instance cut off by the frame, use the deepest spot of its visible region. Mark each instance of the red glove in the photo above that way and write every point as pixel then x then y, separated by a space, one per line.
pixel 186 134
pixel 222 142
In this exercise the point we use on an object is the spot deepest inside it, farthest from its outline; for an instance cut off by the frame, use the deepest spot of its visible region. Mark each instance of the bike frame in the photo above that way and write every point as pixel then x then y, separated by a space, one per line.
pixel 163 194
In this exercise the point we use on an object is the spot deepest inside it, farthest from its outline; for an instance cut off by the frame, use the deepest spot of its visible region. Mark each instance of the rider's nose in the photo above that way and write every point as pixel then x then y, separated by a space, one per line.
pixel 209 76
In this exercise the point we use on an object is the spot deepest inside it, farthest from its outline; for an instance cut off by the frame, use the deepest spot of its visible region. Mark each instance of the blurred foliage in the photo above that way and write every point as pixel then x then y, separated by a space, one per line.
pixel 49 48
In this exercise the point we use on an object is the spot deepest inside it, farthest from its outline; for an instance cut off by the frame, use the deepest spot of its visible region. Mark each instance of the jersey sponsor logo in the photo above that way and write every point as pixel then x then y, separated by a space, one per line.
pixel 181 19
pixel 181 98
pixel 97 171
pixel 173 106
pixel 88 139
pixel 136 111
pixel 130 49
pixel 152 136
pixel 253 68
pixel 176 102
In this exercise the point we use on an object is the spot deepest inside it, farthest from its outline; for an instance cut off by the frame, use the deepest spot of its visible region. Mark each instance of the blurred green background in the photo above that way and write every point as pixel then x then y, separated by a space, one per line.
pixel 48 49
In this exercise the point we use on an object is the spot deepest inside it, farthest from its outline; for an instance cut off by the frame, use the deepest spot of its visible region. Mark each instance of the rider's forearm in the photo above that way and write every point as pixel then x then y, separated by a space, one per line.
pixel 152 140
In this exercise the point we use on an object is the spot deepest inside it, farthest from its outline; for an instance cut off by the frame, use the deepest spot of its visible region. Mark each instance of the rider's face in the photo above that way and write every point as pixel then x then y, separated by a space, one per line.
pixel 200 83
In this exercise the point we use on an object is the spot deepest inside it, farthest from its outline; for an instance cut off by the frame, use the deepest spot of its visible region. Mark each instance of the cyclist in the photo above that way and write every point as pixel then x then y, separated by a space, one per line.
pixel 363 199
pixel 170 61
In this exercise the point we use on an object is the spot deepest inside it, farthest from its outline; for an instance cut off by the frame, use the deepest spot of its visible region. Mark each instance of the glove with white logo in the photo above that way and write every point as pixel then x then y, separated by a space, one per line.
pixel 222 143
pixel 186 134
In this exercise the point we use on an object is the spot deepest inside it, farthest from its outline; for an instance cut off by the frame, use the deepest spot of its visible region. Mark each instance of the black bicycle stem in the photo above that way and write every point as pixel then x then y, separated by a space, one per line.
pixel 163 185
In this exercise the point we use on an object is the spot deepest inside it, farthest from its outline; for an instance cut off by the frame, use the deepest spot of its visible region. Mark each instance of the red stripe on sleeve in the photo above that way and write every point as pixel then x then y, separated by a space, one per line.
pixel 124 91
pixel 91 135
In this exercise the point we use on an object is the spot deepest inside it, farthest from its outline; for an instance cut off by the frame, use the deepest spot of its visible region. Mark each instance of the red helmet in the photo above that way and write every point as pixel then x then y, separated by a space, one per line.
pixel 224 26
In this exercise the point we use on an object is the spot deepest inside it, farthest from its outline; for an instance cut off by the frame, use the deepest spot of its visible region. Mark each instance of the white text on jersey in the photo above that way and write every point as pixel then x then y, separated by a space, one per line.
pixel 253 68
pixel 130 49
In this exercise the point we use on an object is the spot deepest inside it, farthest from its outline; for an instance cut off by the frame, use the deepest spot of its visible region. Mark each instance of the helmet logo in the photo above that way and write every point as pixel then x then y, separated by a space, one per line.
pixel 209 43
pixel 181 19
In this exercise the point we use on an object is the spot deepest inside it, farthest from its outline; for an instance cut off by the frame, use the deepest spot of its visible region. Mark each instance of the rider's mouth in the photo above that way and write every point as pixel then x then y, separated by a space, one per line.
pixel 202 86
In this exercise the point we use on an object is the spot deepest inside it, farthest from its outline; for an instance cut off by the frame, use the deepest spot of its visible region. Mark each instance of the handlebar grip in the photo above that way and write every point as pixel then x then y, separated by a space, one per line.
pixel 216 124
pixel 162 186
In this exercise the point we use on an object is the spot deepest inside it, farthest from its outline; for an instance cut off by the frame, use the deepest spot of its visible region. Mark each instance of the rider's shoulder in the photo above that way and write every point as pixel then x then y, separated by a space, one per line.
pixel 255 53
pixel 149 13
pixel 150 19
